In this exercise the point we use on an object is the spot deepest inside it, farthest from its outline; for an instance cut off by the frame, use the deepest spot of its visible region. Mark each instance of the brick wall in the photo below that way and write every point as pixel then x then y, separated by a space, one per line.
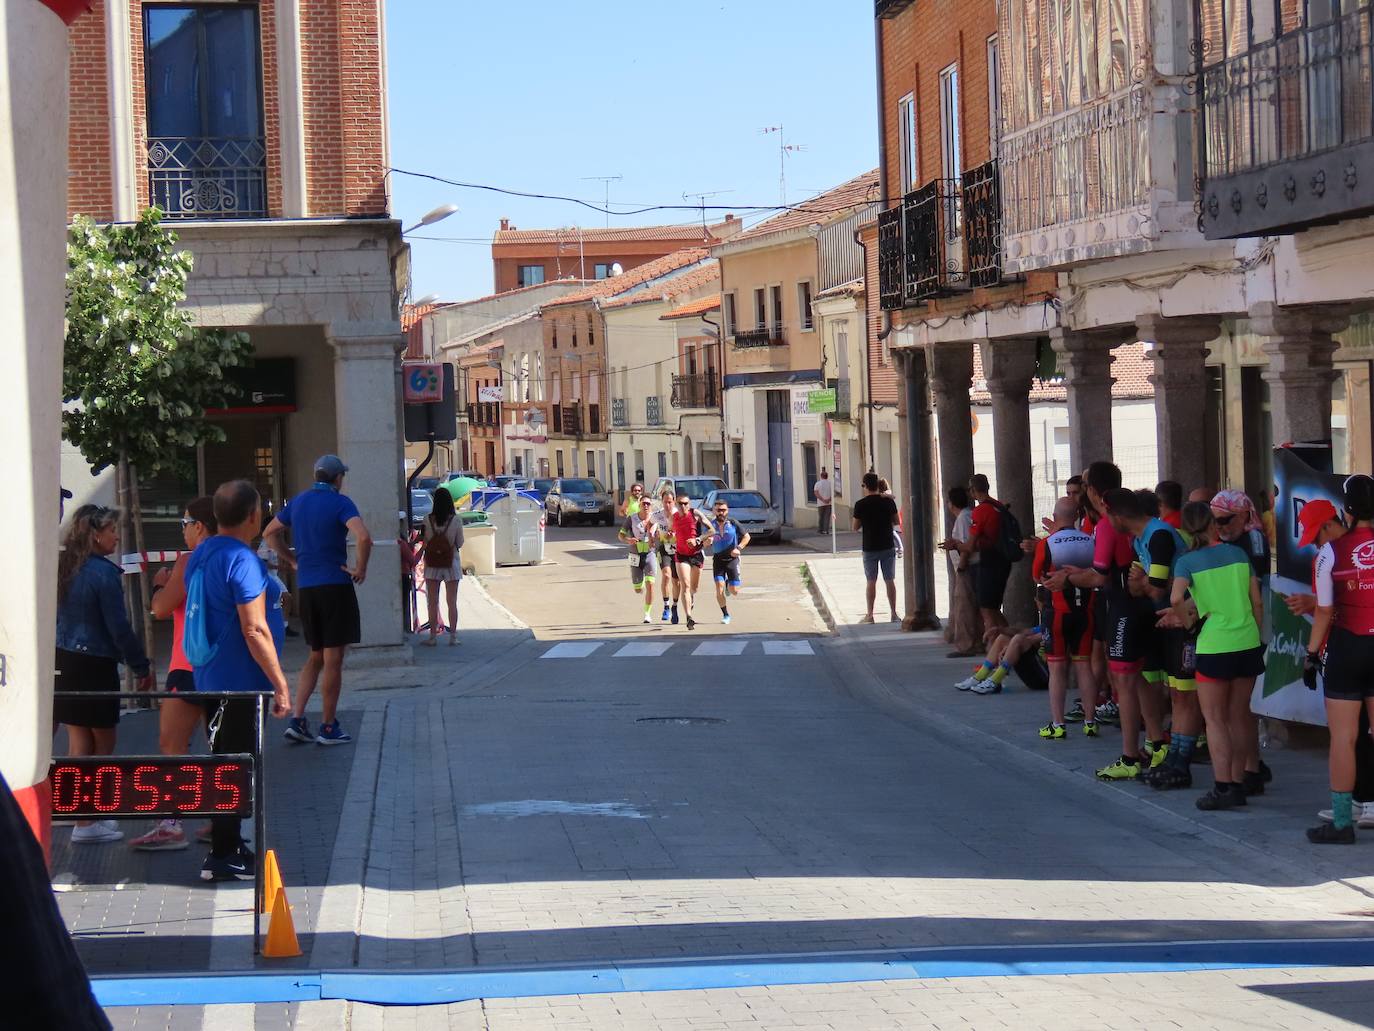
pixel 360 105
pixel 88 140
pixel 882 374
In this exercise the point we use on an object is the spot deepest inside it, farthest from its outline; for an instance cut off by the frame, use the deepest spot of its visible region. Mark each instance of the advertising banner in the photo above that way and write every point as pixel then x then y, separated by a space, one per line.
pixel 1280 693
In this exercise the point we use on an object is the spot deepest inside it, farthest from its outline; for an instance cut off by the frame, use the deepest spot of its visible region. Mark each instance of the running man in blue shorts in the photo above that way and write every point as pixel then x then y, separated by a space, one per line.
pixel 727 541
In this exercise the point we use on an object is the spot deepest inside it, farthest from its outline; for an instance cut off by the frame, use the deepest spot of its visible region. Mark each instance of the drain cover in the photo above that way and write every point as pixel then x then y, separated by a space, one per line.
pixel 681 721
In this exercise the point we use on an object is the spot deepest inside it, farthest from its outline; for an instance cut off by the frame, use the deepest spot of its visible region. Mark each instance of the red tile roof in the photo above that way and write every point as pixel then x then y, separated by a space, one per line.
pixel 1131 368
pixel 687 232
pixel 824 207
pixel 692 277
pixel 637 276
pixel 413 313
pixel 693 308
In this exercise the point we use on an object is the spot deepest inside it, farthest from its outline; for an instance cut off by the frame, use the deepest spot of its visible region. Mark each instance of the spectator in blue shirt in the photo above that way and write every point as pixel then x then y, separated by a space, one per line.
pixel 320 520
pixel 243 621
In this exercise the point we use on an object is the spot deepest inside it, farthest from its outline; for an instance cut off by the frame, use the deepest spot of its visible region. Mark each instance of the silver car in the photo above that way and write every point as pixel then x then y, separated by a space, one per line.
pixel 579 498
pixel 751 510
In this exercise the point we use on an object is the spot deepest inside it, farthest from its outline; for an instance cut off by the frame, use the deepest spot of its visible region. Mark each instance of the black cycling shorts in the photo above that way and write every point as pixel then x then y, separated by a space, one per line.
pixel 696 558
pixel 725 568
pixel 1349 673
pixel 329 616
pixel 1231 665
pixel 1130 630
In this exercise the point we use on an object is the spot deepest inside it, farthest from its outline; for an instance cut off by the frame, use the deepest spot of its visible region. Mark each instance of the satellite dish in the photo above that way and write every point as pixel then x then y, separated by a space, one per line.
pixel 617 269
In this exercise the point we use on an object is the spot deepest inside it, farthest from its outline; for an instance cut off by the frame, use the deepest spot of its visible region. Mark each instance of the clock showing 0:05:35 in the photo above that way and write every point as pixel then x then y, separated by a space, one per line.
pixel 152 785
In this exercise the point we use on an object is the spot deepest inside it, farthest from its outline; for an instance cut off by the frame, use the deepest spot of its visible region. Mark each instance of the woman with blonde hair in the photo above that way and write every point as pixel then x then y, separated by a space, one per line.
pixel 93 635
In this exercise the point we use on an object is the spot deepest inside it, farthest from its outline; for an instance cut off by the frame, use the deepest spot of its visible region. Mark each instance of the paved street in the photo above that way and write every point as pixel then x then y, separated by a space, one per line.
pixel 789 804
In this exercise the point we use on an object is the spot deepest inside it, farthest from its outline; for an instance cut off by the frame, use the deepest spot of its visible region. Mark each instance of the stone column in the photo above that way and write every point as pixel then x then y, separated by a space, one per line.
pixel 1300 373
pixel 1180 382
pixel 1085 359
pixel 918 479
pixel 951 377
pixel 365 390
pixel 1009 367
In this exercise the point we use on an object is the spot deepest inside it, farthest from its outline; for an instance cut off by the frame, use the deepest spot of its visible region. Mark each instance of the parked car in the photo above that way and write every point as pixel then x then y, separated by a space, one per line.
pixel 471 474
pixel 579 498
pixel 695 487
pixel 751 510
pixel 541 487
pixel 428 483
pixel 506 482
pixel 421 505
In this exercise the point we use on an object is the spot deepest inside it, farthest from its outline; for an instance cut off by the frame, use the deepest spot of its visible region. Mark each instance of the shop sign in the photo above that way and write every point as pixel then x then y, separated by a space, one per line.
pixel 267 386
pixel 821 401
pixel 424 382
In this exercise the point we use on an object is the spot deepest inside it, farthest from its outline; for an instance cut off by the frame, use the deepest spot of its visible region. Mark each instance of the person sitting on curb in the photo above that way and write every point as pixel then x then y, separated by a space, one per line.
pixel 1010 648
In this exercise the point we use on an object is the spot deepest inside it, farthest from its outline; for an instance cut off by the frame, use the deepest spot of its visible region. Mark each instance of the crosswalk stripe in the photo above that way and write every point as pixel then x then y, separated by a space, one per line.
pixel 571 650
pixel 720 648
pixel 643 649
pixel 787 648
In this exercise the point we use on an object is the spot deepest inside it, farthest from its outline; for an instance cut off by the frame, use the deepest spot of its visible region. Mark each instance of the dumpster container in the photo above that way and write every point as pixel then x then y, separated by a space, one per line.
pixel 479 548
pixel 519 521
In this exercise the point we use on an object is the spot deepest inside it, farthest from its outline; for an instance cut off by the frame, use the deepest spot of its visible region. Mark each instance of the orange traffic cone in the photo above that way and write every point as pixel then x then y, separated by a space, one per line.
pixel 281 931
pixel 271 882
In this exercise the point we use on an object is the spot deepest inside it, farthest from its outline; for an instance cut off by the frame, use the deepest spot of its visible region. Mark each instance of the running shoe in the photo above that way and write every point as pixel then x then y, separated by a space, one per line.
pixel 241 865
pixel 1229 799
pixel 967 684
pixel 674 619
pixel 332 734
pixel 1107 712
pixel 1120 770
pixel 1053 732
pixel 95 834
pixel 988 686
pixel 648 618
pixel 1170 778
pixel 725 619
pixel 167 836
pixel 298 729
pixel 1328 834
pixel 1254 782
pixel 1090 730
pixel 1076 714
pixel 691 623
pixel 666 613
pixel 1158 755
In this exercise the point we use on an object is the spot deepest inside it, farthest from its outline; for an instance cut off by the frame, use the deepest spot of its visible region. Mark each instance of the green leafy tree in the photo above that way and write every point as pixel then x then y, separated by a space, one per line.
pixel 137 373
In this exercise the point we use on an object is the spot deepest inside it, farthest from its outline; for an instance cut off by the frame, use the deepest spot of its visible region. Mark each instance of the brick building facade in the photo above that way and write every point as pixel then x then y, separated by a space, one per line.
pixel 258 128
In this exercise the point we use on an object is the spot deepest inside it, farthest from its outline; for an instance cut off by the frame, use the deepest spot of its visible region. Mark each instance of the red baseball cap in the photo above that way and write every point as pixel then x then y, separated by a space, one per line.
pixel 1312 517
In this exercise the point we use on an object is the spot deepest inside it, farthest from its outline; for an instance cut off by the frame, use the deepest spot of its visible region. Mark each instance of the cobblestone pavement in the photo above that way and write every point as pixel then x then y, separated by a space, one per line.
pixel 777 794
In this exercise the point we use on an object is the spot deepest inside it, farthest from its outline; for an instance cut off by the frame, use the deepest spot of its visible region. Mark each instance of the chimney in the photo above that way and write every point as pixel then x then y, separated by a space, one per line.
pixel 505 224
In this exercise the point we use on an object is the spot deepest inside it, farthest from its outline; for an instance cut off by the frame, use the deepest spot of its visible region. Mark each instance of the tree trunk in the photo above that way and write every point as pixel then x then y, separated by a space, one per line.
pixel 145 591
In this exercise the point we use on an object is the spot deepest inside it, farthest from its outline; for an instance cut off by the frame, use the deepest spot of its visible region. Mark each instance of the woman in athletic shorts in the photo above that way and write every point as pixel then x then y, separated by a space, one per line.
pixel 662 516
pixel 1341 648
pixel 1226 594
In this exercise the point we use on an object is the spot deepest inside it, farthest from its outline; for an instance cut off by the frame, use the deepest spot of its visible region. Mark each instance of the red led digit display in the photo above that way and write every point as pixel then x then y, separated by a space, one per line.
pixel 143 785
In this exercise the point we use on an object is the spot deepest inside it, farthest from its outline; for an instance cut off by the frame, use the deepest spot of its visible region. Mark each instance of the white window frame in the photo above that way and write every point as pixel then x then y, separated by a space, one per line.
pixel 994 98
pixel 806 315
pixel 951 141
pixel 908 148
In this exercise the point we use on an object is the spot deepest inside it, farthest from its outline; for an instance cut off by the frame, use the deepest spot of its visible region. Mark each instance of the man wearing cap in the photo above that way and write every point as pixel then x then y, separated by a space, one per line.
pixel 320 520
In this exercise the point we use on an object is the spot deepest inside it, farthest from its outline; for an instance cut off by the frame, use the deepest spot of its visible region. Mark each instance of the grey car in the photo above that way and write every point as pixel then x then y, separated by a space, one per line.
pixel 574 498
pixel 695 487
pixel 751 510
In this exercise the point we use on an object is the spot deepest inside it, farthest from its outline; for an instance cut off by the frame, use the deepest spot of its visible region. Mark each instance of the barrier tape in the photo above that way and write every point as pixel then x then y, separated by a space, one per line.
pixel 137 561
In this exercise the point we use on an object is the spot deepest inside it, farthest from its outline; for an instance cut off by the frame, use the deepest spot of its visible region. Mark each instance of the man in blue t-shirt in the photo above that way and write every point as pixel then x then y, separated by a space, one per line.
pixel 243 623
pixel 320 520
pixel 727 541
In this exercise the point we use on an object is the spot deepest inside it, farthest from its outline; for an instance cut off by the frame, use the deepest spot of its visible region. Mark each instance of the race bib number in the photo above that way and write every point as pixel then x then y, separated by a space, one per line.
pixel 636 560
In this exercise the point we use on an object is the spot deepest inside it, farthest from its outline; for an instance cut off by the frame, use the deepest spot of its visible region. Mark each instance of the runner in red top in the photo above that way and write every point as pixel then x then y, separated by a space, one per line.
pixel 1065 617
pixel 691 533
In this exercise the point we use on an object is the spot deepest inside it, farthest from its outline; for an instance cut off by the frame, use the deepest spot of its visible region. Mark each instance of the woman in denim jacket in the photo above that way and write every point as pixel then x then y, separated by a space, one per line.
pixel 93 635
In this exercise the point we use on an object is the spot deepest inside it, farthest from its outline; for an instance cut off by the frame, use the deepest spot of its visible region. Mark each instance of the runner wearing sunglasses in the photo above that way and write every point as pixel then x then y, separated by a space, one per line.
pixel 728 540
pixel 691 533
pixel 662 516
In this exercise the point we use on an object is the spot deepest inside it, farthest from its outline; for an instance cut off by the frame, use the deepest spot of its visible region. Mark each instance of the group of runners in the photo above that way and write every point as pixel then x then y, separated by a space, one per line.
pixel 671 538
pixel 1160 601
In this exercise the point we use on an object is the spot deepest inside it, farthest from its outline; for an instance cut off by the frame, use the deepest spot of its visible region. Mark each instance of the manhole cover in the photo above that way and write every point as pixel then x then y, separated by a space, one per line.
pixel 681 721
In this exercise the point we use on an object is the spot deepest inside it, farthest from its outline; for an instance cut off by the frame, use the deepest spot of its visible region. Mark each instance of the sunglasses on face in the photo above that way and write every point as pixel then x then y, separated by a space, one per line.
pixel 1225 520
pixel 188 521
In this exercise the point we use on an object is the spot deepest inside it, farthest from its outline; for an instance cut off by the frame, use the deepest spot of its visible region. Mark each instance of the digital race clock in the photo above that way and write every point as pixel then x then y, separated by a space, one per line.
pixel 152 785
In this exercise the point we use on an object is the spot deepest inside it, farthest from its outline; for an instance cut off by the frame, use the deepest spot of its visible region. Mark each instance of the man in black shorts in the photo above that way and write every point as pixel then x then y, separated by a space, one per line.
pixel 321 519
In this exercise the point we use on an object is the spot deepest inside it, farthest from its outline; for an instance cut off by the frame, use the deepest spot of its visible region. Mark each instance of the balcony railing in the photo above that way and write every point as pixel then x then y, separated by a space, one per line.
pixel 696 390
pixel 653 411
pixel 618 413
pixel 891 294
pixel 933 222
pixel 1287 124
pixel 983 224
pixel 204 177
pixel 766 337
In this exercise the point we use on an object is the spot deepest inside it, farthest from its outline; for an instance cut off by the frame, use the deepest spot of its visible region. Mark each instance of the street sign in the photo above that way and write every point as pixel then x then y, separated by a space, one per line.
pixel 821 401
pixel 424 383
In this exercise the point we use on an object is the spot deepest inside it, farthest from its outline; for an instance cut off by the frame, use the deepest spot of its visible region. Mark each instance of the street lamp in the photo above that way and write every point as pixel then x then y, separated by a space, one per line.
pixel 426 299
pixel 437 215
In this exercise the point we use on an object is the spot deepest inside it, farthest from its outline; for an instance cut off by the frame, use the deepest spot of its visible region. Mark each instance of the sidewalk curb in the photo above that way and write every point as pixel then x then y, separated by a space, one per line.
pixel 826 603
pixel 510 617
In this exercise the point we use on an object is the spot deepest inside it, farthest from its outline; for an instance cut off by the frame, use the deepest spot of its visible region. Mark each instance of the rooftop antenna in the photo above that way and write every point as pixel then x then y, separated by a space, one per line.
pixel 784 149
pixel 607 180
pixel 701 199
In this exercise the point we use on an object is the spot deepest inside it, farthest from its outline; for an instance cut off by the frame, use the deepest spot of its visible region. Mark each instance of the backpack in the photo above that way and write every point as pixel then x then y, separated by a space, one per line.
pixel 439 549
pixel 195 639
pixel 1009 534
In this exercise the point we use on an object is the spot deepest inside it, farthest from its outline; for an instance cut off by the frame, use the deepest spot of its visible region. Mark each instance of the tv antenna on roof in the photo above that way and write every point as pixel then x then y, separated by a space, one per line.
pixel 607 180
pixel 701 199
pixel 784 149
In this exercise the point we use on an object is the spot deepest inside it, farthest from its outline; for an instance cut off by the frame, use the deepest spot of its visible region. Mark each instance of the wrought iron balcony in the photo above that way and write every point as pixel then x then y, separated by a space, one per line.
pixel 696 390
pixel 983 224
pixel 618 412
pixel 204 177
pixel 765 337
pixel 1287 123
pixel 933 224
pixel 890 8
pixel 891 294
pixel 653 411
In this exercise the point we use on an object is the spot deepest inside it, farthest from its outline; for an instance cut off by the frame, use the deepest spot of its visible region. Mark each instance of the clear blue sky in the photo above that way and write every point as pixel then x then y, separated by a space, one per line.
pixel 535 95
